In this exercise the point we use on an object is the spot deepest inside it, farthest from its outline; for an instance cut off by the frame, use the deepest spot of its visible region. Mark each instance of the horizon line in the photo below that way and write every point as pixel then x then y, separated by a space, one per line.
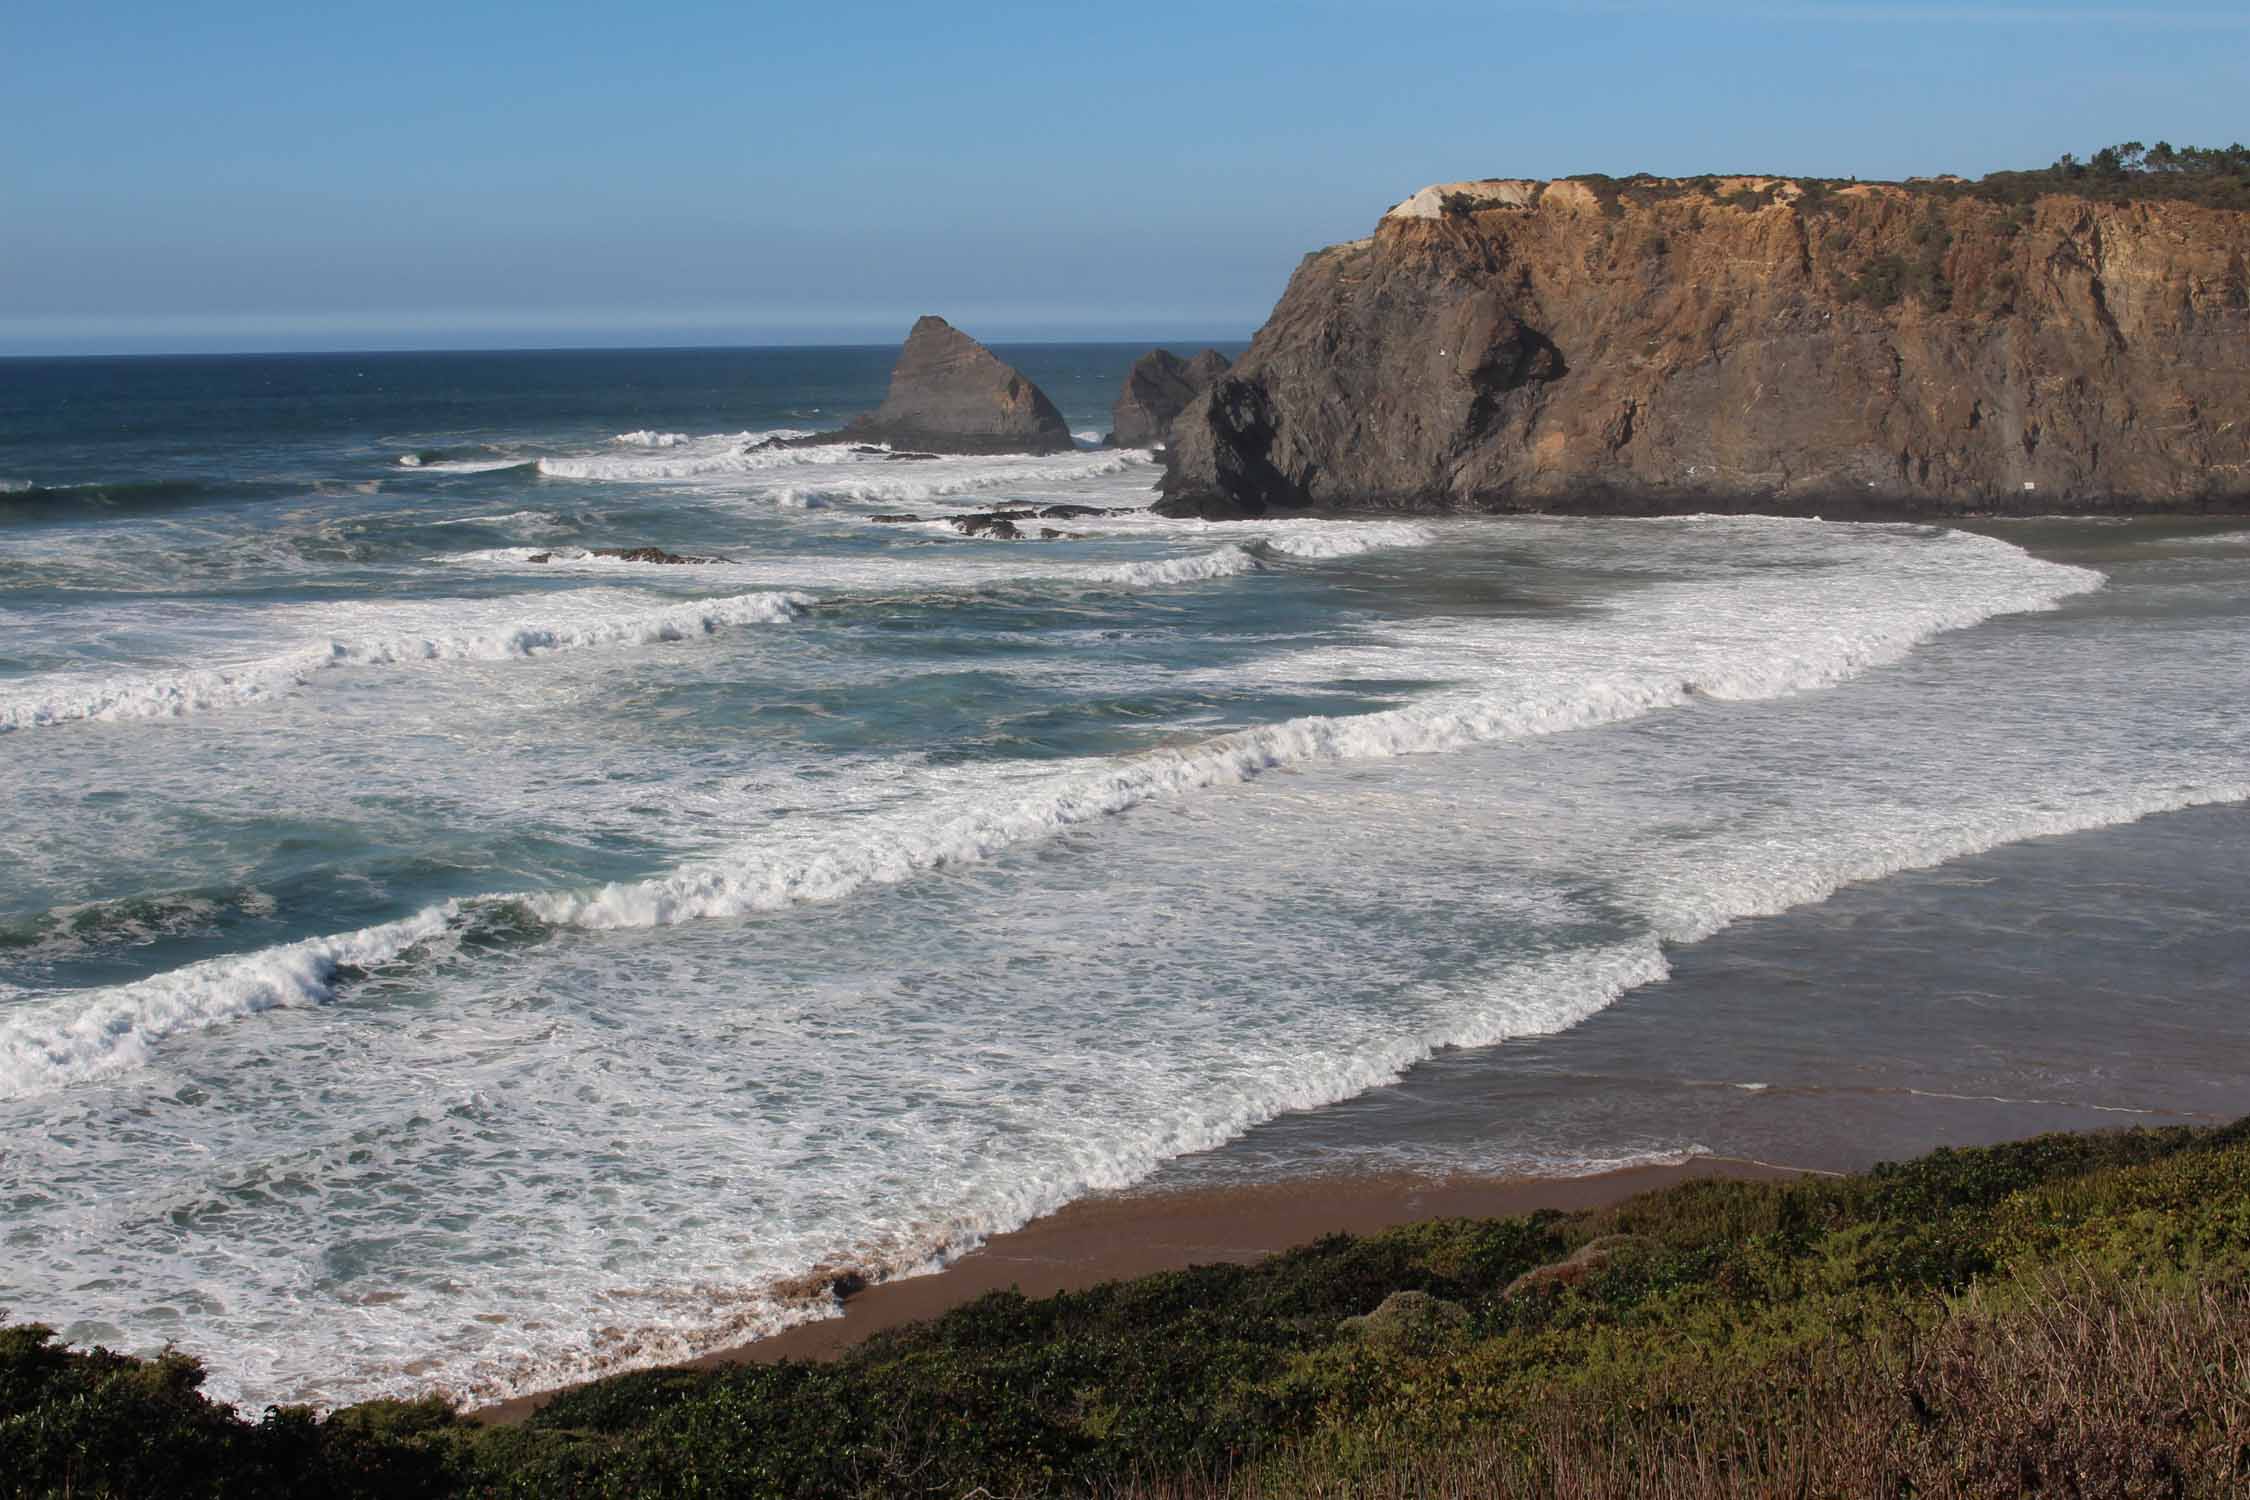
pixel 760 348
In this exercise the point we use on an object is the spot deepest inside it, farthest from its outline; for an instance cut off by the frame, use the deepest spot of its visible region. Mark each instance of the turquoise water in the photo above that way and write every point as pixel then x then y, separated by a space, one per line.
pixel 433 956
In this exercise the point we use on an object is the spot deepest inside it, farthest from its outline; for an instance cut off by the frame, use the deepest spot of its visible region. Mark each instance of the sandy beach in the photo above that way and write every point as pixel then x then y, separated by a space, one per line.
pixel 1115 1236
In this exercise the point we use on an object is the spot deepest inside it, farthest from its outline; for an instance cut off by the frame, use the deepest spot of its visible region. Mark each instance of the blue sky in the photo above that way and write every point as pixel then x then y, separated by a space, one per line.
pixel 416 175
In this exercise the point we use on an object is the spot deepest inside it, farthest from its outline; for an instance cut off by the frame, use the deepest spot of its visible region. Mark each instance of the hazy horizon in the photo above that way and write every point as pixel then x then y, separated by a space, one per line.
pixel 1189 340
pixel 254 179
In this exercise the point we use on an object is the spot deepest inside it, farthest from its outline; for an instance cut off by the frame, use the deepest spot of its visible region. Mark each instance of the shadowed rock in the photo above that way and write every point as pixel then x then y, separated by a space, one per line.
pixel 1157 389
pixel 950 394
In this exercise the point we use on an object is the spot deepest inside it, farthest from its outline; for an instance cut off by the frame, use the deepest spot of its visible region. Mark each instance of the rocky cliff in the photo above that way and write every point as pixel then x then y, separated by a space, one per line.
pixel 950 394
pixel 1743 343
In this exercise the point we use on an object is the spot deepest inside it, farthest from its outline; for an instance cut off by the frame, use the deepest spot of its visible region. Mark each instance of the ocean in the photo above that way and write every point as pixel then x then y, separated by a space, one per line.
pixel 434 957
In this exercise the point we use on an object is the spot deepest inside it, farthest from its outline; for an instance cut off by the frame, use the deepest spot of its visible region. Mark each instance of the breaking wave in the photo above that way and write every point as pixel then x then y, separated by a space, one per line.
pixel 63 699
pixel 1881 619
pixel 672 455
pixel 1226 562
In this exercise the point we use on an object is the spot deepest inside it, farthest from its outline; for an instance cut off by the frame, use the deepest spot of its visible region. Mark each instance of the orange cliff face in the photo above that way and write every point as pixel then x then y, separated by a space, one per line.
pixel 1743 343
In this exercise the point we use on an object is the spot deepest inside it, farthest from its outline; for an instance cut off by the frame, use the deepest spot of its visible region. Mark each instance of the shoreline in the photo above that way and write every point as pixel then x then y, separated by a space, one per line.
pixel 1119 1236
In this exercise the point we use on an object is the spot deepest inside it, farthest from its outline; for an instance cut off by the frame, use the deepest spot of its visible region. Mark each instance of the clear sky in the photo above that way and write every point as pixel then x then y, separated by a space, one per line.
pixel 237 174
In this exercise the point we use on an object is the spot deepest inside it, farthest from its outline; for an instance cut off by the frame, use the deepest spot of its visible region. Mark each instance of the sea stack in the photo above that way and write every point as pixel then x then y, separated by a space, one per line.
pixel 1157 389
pixel 950 394
pixel 1751 343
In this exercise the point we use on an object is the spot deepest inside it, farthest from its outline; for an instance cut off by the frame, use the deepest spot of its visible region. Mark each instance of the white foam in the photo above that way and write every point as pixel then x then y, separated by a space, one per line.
pixel 648 439
pixel 52 1044
pixel 713 455
pixel 504 518
pixel 971 568
pixel 1903 597
pixel 835 473
pixel 1224 562
pixel 1346 539
pixel 1757 652
pixel 475 465
pixel 872 481
pixel 1293 537
pixel 63 698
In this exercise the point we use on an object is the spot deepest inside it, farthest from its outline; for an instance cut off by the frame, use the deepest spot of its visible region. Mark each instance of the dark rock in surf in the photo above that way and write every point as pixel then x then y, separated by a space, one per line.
pixel 1157 389
pixel 655 555
pixel 897 518
pixel 999 528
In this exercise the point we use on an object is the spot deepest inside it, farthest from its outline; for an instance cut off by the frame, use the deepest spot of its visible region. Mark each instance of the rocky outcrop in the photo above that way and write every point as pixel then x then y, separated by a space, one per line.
pixel 950 394
pixel 1742 344
pixel 1409 1323
pixel 1157 389
pixel 656 555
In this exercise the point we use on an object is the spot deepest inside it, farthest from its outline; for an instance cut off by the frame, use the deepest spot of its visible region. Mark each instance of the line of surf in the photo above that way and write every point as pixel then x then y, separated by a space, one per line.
pixel 68 698
pixel 893 850
pixel 1542 995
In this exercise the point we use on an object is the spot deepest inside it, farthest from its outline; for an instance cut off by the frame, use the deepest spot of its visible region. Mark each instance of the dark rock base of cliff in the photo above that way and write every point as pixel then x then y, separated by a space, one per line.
pixel 1830 505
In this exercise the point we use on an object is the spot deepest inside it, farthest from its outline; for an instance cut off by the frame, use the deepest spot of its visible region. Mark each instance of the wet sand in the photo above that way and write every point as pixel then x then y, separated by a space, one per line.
pixel 1115 1236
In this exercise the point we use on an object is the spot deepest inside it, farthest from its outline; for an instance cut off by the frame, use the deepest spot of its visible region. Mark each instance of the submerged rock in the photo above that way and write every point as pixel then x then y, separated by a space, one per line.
pixel 1157 389
pixel 897 518
pixel 950 394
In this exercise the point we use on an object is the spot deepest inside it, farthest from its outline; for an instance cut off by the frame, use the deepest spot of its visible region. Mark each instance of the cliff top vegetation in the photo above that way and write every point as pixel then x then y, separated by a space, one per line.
pixel 2218 176
pixel 2213 176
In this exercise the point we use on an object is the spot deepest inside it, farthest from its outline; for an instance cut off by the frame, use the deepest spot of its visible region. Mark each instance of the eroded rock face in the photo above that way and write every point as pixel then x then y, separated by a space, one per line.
pixel 1744 344
pixel 950 394
pixel 1157 389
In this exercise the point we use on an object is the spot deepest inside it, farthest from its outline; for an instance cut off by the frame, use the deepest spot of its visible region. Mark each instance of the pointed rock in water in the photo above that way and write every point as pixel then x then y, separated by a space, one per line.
pixel 1157 389
pixel 950 394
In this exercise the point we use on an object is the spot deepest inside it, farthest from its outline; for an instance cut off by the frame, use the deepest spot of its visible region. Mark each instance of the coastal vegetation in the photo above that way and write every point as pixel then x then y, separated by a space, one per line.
pixel 2064 1315
pixel 2130 172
